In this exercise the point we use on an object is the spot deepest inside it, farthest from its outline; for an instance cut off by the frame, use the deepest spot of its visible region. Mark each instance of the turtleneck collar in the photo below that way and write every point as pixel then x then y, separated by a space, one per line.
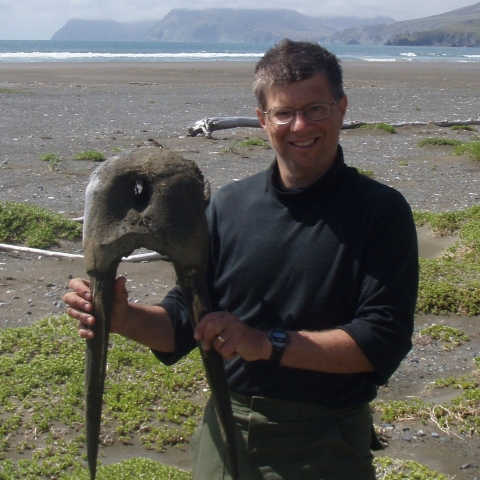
pixel 322 185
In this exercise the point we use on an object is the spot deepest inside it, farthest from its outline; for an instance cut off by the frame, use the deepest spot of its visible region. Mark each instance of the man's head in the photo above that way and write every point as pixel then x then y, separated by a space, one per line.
pixel 290 62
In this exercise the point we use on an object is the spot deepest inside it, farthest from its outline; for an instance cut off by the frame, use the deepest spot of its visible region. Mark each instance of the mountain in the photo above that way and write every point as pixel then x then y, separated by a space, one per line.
pixel 103 30
pixel 459 27
pixel 341 23
pixel 238 25
pixel 216 25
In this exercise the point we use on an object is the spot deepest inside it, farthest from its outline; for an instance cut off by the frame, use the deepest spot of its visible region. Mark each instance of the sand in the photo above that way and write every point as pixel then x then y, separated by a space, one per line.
pixel 67 108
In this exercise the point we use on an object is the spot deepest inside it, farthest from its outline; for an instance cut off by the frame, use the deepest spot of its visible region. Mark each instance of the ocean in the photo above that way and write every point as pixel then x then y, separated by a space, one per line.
pixel 73 51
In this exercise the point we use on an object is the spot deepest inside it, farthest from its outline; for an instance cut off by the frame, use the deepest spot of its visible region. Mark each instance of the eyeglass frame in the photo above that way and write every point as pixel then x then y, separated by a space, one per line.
pixel 295 110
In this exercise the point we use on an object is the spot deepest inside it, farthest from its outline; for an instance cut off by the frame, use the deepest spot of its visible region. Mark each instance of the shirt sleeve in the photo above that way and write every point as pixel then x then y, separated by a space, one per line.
pixel 176 308
pixel 383 324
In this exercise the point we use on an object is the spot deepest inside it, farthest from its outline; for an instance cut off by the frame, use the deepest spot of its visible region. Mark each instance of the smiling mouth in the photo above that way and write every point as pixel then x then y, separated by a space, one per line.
pixel 304 144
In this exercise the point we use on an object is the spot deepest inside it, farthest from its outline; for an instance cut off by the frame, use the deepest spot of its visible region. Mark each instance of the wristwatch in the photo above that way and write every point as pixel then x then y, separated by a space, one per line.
pixel 279 338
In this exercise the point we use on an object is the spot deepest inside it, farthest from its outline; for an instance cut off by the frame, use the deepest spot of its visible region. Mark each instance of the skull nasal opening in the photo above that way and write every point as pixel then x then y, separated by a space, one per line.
pixel 141 194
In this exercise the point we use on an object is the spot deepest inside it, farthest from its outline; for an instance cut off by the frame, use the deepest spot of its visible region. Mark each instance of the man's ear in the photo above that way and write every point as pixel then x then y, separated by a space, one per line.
pixel 343 104
pixel 261 117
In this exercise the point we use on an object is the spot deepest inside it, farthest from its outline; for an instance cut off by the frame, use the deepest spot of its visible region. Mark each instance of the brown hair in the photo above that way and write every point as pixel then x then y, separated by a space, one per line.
pixel 289 62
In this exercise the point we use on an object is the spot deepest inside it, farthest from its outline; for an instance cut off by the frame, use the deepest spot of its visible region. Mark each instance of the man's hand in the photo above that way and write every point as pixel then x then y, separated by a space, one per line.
pixel 80 307
pixel 230 337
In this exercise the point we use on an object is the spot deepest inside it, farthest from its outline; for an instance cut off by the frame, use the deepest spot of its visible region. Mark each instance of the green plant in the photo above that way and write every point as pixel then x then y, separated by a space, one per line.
pixel 251 142
pixel 393 469
pixel 467 128
pixel 449 335
pixel 367 173
pixel 439 141
pixel 41 403
pixel 53 159
pixel 7 90
pixel 34 226
pixel 472 150
pixel 90 155
pixel 403 163
pixel 450 283
pixel 377 126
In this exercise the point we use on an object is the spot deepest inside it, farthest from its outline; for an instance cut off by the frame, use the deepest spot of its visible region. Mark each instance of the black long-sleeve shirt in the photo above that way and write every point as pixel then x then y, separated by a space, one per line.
pixel 341 253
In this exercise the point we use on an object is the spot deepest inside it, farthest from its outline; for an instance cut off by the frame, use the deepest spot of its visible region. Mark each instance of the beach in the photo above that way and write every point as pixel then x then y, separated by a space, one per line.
pixel 68 108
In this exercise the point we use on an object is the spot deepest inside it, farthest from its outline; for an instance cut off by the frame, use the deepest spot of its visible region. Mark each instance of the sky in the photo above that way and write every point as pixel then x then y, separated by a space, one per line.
pixel 40 19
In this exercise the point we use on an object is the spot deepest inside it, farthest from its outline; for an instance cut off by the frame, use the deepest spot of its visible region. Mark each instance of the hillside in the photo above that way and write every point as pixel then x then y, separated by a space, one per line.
pixel 103 30
pixel 216 25
pixel 459 27
pixel 232 25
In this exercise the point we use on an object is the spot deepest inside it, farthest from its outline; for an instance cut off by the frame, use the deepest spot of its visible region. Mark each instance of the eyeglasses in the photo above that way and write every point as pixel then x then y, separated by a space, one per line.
pixel 315 112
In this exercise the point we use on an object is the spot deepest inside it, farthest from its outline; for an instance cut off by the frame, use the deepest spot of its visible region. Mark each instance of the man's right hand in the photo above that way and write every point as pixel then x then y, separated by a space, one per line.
pixel 79 305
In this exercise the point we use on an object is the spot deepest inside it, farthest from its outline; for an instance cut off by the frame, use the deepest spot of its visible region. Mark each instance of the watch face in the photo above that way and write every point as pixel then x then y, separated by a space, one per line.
pixel 279 337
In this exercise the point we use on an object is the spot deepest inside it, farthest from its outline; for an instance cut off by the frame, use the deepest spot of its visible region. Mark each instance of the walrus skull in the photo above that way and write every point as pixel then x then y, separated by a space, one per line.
pixel 154 199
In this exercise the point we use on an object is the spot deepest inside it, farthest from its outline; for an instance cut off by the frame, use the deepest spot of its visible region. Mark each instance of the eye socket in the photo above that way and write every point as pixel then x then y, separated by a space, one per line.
pixel 141 194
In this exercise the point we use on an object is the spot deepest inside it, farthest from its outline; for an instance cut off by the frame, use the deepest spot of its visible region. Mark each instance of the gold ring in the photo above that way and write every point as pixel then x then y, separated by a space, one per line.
pixel 221 338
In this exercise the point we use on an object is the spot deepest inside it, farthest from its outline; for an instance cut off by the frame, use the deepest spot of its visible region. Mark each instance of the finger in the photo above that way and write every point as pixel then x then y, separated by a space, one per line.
pixel 210 325
pixel 81 287
pixel 85 333
pixel 72 299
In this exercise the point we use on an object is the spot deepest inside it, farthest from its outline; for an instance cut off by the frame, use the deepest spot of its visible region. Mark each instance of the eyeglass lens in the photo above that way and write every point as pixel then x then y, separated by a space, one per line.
pixel 284 115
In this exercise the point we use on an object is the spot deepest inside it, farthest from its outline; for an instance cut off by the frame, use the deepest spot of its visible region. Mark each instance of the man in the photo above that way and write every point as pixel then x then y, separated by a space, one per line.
pixel 313 278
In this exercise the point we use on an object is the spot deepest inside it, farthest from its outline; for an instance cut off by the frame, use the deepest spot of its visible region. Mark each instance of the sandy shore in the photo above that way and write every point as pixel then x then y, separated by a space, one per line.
pixel 228 73
pixel 67 108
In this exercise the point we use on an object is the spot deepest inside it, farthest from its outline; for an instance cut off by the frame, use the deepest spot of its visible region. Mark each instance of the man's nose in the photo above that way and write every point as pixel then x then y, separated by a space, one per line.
pixel 299 120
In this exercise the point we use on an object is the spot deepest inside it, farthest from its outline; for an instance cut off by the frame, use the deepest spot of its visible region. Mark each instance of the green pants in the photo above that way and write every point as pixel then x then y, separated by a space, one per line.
pixel 282 440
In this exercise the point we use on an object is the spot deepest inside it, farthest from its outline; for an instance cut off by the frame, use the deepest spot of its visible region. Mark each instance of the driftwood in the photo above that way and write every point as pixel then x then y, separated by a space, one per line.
pixel 446 123
pixel 207 126
pixel 141 257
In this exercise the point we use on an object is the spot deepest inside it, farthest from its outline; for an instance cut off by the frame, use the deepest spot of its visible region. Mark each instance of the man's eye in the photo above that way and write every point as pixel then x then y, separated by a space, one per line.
pixel 282 113
pixel 317 109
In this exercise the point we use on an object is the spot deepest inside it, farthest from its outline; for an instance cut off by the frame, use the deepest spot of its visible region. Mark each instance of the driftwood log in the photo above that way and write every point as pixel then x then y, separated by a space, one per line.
pixel 141 257
pixel 207 126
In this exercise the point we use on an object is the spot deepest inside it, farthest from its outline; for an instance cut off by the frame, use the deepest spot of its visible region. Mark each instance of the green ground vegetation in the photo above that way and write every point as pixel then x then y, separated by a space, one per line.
pixel 471 149
pixel 367 173
pixel 240 146
pixel 8 90
pixel 41 407
pixel 36 227
pixel 466 128
pixel 41 400
pixel 449 336
pixel 393 469
pixel 458 417
pixel 451 283
pixel 376 126
pixel 54 160
pixel 439 141
pixel 90 155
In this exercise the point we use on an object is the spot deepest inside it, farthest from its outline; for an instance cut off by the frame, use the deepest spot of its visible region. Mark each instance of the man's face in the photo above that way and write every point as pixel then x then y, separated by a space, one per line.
pixel 305 149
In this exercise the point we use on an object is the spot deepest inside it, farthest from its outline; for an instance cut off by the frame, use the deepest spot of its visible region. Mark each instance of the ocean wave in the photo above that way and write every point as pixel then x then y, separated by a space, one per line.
pixel 370 59
pixel 408 54
pixel 65 56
